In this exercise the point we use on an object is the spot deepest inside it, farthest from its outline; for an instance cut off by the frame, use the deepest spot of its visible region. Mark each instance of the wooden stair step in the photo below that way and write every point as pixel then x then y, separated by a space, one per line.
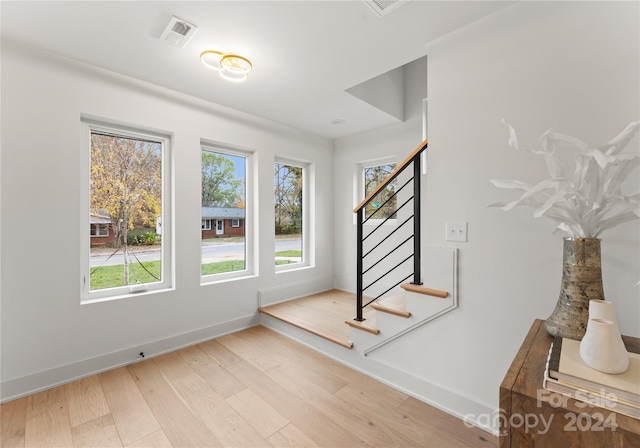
pixel 426 291
pixel 308 325
pixel 368 325
pixel 321 314
pixel 396 305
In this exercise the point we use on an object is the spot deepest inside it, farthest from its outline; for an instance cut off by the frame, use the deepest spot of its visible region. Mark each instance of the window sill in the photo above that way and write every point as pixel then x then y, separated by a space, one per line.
pixel 224 278
pixel 91 300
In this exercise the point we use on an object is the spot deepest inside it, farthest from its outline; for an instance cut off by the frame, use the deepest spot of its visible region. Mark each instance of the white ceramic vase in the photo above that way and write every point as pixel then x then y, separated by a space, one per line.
pixel 603 309
pixel 602 347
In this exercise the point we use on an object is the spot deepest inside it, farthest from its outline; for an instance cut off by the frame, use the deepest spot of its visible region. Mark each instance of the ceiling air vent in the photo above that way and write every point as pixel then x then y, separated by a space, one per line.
pixel 178 32
pixel 383 7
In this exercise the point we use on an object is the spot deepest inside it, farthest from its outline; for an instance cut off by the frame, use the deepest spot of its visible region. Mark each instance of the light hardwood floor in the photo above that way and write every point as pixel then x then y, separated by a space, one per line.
pixel 254 388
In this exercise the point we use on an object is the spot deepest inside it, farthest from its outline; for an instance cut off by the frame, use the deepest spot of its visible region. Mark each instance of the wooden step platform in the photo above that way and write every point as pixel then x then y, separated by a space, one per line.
pixel 325 314
pixel 322 314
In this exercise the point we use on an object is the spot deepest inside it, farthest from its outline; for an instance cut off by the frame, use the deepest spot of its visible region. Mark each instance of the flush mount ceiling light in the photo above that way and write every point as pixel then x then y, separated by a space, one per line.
pixel 230 66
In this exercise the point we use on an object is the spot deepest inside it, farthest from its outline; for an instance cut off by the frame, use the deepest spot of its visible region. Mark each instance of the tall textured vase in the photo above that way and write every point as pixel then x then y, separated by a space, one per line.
pixel 581 282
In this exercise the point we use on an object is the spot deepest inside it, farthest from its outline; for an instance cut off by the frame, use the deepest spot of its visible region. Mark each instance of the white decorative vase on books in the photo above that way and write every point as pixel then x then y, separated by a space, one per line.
pixel 602 347
pixel 603 309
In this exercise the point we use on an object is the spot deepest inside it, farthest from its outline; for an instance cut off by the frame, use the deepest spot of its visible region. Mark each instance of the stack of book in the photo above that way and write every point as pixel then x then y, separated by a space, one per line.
pixel 567 374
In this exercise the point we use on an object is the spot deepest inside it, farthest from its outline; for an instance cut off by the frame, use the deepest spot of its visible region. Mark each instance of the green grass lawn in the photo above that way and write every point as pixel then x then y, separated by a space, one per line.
pixel 113 276
pixel 222 266
pixel 289 253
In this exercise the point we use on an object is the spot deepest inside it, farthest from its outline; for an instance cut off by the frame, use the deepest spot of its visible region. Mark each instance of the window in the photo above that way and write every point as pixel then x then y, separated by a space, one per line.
pixel 129 183
pixel 290 201
pixel 384 204
pixel 225 249
pixel 99 230
pixel 235 223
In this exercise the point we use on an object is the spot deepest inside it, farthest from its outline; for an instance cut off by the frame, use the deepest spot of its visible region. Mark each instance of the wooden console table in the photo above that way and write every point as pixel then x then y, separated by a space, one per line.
pixel 530 418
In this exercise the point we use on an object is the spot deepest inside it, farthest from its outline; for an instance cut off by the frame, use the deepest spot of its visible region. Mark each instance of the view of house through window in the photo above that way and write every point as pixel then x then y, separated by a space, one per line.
pixel 223 230
pixel 126 209
pixel 288 187
pixel 384 203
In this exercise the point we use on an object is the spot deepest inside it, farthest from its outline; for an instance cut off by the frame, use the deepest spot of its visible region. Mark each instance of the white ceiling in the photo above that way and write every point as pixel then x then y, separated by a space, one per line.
pixel 305 54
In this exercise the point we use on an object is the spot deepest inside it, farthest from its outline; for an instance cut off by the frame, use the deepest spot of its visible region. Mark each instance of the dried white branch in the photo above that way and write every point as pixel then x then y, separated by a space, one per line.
pixel 588 202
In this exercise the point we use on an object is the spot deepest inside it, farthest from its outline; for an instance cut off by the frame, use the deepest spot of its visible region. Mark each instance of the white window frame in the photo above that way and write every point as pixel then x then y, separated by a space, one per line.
pixel 97 233
pixel 167 281
pixel 308 215
pixel 206 223
pixel 235 222
pixel 250 268
pixel 360 187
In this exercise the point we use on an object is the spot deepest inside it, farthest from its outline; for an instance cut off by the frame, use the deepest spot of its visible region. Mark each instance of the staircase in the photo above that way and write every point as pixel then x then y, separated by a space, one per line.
pixel 390 262
pixel 410 307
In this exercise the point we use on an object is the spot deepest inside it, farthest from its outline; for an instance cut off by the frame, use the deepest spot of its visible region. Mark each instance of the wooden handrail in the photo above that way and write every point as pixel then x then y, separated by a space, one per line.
pixel 391 176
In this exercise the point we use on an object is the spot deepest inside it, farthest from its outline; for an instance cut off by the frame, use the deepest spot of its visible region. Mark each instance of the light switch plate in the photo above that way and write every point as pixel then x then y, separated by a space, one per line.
pixel 456 231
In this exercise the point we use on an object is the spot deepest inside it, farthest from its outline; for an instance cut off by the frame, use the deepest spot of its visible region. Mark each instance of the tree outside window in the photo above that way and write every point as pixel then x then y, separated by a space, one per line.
pixel 126 187
pixel 384 204
pixel 223 201
pixel 288 208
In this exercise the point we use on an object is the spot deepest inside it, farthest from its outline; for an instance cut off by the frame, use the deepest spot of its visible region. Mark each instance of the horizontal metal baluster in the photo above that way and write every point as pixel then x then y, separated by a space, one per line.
pixel 388 253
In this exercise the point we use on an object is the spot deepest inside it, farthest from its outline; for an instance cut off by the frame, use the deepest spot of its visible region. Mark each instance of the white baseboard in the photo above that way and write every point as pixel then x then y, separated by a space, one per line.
pixel 26 385
pixel 449 401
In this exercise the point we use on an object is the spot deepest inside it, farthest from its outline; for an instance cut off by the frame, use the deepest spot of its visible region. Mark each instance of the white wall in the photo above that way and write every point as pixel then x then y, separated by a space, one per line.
pixel 47 335
pixel 574 65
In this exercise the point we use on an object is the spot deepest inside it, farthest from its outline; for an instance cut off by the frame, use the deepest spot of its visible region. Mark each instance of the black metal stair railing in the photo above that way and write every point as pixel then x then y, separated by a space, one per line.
pixel 383 270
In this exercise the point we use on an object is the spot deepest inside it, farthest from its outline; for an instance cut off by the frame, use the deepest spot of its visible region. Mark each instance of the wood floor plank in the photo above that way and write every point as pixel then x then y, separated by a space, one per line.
pixel 295 355
pixel 48 423
pixel 223 356
pixel 156 440
pixel 291 437
pixel 86 400
pixel 475 437
pixel 56 396
pixel 180 424
pixel 264 418
pixel 365 424
pixel 100 432
pixel 225 384
pixel 251 354
pixel 13 415
pixel 255 388
pixel 263 338
pixel 131 414
pixel 221 419
pixel 312 422
pixel 421 432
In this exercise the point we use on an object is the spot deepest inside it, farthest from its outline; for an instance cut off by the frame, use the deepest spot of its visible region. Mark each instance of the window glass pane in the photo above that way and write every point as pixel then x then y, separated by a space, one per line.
pixel 126 197
pixel 384 203
pixel 223 199
pixel 288 186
